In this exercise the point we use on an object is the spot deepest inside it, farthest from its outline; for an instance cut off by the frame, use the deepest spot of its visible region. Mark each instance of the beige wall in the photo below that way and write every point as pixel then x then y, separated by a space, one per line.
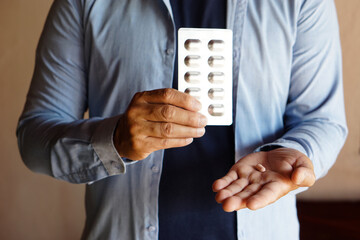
pixel 38 207
pixel 343 180
pixel 31 206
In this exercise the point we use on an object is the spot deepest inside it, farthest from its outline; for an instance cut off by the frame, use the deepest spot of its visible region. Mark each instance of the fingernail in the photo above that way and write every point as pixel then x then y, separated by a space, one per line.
pixel 200 131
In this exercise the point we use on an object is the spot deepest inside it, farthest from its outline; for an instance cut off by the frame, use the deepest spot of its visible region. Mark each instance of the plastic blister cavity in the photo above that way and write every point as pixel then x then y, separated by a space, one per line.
pixel 205 71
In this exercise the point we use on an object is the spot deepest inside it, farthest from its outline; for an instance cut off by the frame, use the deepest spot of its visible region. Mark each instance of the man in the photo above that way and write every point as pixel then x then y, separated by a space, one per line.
pixel 117 59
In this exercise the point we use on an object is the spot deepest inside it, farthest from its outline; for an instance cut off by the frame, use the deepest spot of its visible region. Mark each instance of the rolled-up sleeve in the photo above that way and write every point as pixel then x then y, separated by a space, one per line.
pixel 53 137
pixel 315 116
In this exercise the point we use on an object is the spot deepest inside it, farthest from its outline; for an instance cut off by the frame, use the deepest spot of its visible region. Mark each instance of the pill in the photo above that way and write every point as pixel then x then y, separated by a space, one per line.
pixel 193 91
pixel 216 77
pixel 216 109
pixel 192 77
pixel 216 61
pixel 260 167
pixel 192 44
pixel 192 61
pixel 216 93
pixel 216 45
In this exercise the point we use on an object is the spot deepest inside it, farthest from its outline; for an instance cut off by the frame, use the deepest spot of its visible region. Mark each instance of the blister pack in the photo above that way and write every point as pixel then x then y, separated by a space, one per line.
pixel 205 71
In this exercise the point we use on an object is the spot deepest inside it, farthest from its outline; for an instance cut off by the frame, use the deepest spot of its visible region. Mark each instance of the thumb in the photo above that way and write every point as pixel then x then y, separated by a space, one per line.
pixel 303 174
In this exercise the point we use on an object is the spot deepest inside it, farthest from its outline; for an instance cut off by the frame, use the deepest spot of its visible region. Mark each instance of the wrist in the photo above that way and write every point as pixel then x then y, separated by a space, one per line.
pixel 117 136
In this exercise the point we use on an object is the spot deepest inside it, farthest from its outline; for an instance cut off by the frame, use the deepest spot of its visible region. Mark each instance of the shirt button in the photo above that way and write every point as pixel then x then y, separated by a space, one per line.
pixel 152 228
pixel 169 51
pixel 155 169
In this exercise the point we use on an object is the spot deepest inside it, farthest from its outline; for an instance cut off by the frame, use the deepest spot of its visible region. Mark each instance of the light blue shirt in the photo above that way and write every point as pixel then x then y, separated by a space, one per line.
pixel 96 54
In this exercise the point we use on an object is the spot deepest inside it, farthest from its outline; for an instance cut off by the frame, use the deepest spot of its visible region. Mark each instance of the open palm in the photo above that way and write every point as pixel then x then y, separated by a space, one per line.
pixel 245 186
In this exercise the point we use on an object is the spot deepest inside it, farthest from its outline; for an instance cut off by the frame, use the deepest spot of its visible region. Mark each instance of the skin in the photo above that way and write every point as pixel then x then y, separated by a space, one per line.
pixel 246 187
pixel 158 119
pixel 167 118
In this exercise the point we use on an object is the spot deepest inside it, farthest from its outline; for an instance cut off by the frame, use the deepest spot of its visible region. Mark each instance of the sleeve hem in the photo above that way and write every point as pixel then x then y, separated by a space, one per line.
pixel 102 142
pixel 282 143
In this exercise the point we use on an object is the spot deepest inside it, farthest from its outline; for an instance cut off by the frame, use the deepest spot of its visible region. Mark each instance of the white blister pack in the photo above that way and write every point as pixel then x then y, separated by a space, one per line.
pixel 205 71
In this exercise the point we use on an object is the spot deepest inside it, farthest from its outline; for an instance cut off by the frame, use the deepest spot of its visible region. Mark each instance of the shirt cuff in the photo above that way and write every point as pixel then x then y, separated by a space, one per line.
pixel 102 142
pixel 282 143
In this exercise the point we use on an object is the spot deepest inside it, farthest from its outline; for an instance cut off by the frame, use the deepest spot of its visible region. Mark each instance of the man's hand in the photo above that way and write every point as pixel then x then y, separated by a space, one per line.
pixel 244 186
pixel 158 119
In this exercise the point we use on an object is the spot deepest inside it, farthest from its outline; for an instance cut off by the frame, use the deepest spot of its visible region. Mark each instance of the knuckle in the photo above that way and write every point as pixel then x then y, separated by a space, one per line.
pixel 133 110
pixel 238 184
pixel 224 193
pixel 227 179
pixel 133 130
pixel 167 112
pixel 135 144
pixel 138 96
pixel 167 93
pixel 165 143
pixel 130 113
pixel 167 129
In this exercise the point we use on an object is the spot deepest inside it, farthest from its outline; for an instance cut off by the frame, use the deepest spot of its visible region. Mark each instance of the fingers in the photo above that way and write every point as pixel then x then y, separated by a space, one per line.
pixel 239 200
pixel 159 143
pixel 303 174
pixel 173 97
pixel 234 188
pixel 169 130
pixel 253 196
pixel 303 177
pixel 225 181
pixel 173 114
pixel 249 186
pixel 158 119
pixel 268 194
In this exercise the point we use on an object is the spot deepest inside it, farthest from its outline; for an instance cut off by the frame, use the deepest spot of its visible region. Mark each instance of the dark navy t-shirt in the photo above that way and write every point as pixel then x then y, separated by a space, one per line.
pixel 187 208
